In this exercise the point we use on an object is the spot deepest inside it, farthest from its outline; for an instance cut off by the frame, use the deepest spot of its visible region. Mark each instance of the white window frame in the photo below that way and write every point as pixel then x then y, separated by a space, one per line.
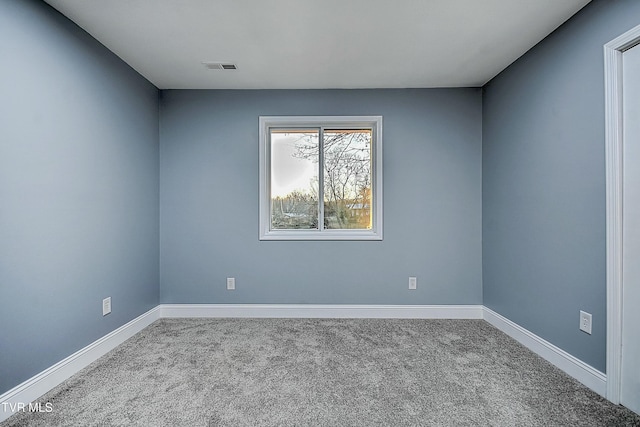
pixel 335 122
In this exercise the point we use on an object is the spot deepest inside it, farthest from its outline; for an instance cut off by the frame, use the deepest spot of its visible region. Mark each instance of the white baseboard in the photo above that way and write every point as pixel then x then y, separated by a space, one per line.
pixel 576 368
pixel 38 385
pixel 46 380
pixel 322 311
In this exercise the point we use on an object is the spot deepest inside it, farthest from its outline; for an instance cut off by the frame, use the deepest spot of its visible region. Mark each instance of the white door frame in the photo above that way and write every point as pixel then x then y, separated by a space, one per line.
pixel 614 156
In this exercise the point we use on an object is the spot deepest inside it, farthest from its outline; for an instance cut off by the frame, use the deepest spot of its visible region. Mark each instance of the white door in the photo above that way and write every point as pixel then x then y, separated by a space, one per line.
pixel 630 378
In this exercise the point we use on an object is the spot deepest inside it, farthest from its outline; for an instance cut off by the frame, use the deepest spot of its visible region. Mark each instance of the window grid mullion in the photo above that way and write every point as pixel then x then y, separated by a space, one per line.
pixel 321 180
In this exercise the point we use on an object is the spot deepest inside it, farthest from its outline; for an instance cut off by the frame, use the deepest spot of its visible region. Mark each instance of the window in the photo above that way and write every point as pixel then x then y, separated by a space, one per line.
pixel 321 178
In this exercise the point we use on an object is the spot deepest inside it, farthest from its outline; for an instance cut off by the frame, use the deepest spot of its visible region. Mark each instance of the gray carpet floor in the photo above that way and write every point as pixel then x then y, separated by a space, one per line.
pixel 323 372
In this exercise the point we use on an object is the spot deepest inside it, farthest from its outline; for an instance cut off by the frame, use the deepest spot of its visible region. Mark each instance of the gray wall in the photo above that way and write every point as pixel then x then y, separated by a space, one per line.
pixel 432 202
pixel 78 190
pixel 544 183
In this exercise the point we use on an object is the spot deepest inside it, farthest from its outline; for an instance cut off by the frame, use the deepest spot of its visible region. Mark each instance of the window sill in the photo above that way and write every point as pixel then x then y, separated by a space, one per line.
pixel 321 235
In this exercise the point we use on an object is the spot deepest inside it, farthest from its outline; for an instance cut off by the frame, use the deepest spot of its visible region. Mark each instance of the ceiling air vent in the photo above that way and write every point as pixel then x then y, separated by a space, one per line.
pixel 220 66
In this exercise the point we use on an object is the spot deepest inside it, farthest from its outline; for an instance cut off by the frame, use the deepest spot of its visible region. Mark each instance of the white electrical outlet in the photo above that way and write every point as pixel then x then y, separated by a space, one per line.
pixel 585 322
pixel 106 306
pixel 413 282
pixel 231 283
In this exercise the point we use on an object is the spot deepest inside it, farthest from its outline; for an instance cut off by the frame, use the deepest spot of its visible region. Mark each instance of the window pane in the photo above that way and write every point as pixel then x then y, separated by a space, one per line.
pixel 347 179
pixel 294 178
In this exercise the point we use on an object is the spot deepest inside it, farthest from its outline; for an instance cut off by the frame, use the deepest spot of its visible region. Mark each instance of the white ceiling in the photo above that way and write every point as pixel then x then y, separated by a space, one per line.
pixel 319 44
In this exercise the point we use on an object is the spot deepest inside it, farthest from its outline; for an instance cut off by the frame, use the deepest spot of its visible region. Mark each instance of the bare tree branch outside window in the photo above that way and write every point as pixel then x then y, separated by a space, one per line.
pixel 346 175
